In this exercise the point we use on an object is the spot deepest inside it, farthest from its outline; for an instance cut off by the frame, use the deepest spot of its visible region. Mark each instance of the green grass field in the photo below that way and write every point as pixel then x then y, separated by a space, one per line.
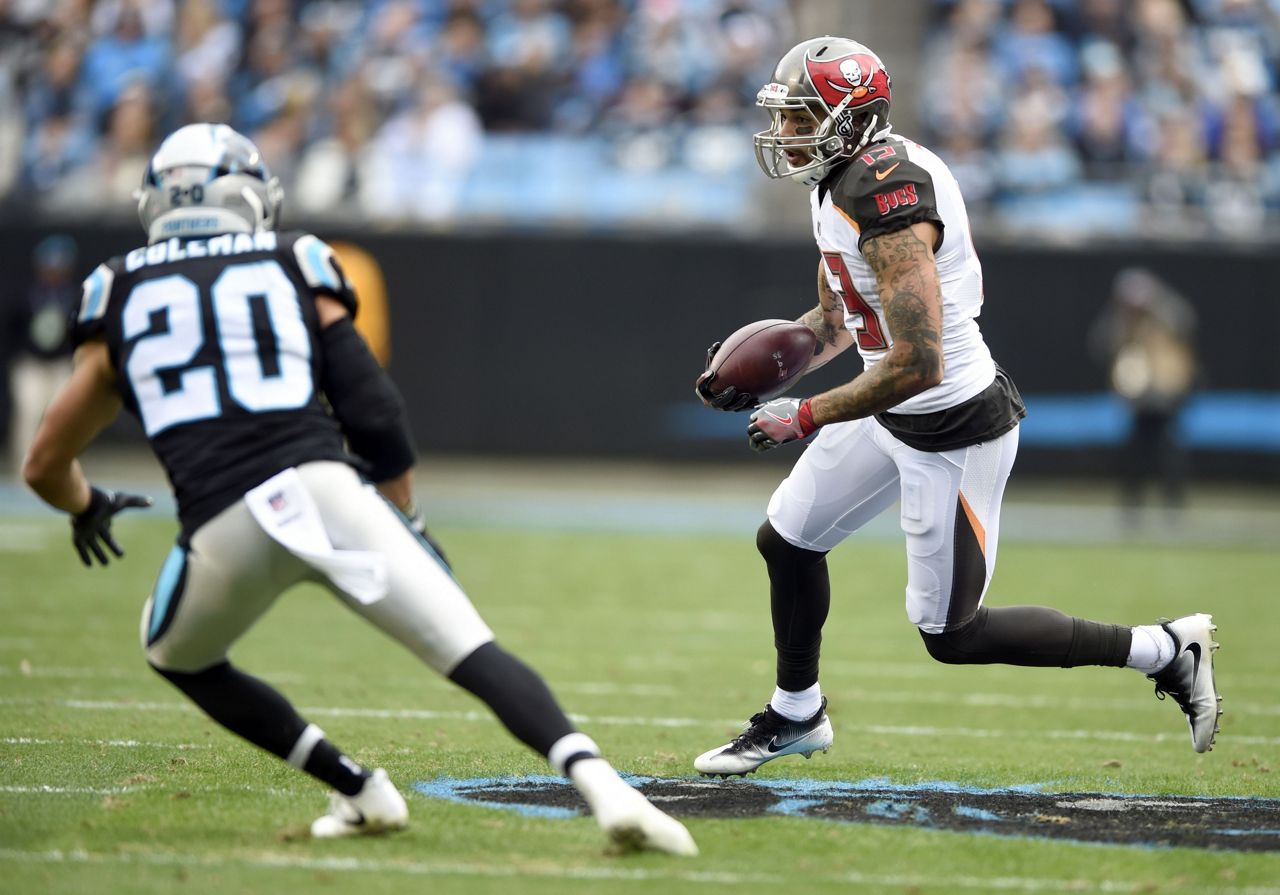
pixel 660 646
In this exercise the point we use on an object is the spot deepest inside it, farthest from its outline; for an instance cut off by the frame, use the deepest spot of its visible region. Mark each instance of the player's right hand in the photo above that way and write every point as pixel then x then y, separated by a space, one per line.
pixel 729 397
pixel 94 524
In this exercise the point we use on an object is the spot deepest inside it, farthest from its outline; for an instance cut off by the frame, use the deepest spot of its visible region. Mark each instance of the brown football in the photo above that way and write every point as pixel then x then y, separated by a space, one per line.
pixel 763 358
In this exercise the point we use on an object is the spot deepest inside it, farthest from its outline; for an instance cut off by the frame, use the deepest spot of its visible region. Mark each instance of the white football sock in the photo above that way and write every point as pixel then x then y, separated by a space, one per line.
pixel 796 705
pixel 571 746
pixel 1152 649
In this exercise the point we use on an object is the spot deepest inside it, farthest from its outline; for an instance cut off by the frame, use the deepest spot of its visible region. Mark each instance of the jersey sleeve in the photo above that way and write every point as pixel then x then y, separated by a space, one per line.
pixel 886 194
pixel 95 297
pixel 321 269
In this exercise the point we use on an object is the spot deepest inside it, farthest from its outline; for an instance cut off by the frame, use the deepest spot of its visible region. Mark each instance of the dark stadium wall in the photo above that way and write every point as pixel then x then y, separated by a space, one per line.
pixel 510 343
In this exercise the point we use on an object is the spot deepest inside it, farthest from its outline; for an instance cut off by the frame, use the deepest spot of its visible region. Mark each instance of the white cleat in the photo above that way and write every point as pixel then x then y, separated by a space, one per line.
pixel 1189 677
pixel 768 736
pixel 377 808
pixel 625 815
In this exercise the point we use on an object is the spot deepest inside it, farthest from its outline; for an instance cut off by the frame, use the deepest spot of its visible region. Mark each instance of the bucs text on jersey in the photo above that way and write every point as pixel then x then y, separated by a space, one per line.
pixel 214 341
pixel 893 184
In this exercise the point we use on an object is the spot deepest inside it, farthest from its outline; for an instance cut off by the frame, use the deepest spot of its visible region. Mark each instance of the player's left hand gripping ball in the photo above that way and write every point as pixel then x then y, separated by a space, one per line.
pixel 94 524
pixel 728 398
pixel 780 421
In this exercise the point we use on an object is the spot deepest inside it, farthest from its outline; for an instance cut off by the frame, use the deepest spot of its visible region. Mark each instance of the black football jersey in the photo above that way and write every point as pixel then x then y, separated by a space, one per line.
pixel 215 345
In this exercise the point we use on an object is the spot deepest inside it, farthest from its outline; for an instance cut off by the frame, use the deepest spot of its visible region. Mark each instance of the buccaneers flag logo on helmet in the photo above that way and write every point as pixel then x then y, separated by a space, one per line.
pixel 855 80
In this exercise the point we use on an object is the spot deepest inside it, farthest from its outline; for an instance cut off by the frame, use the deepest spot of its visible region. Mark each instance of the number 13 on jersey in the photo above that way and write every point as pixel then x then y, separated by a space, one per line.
pixel 870 333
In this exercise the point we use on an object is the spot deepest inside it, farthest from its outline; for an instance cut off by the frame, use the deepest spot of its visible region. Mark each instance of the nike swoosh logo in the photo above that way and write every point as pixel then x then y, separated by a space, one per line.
pixel 881 175
pixel 774 746
pixel 785 420
pixel 1194 649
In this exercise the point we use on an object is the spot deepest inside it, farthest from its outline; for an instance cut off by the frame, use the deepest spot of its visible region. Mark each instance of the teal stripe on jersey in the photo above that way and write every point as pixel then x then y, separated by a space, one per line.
pixel 97 291
pixel 321 269
pixel 170 573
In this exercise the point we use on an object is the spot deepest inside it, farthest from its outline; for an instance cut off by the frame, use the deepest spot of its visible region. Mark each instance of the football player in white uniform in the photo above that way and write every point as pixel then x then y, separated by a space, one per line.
pixel 930 421
pixel 233 344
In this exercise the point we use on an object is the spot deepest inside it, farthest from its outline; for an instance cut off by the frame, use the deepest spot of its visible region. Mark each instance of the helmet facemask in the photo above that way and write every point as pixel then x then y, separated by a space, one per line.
pixel 835 138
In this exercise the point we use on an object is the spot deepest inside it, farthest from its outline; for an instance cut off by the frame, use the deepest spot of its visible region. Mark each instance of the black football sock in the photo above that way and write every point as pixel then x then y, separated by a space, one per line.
pixel 516 694
pixel 799 599
pixel 1032 636
pixel 253 710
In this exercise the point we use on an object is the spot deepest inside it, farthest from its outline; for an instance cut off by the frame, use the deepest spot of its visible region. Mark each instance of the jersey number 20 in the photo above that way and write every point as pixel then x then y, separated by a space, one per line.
pixel 258 377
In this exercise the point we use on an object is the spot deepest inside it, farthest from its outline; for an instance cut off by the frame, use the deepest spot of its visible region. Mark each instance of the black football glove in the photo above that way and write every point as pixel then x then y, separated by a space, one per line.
pixel 729 398
pixel 418 522
pixel 94 524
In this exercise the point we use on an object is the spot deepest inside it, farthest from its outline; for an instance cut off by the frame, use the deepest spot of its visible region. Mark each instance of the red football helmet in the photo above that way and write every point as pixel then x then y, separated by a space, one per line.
pixel 844 86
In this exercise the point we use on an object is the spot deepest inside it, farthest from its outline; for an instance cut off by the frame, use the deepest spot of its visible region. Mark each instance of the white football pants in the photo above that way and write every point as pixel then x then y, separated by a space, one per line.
pixel 950 512
pixel 212 591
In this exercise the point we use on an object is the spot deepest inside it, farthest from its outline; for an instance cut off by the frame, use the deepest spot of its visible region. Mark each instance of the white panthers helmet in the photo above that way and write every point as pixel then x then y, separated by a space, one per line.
pixel 207 179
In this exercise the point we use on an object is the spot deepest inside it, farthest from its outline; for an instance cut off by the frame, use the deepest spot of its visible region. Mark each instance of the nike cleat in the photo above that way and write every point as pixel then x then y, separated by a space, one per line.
pixel 631 821
pixel 377 808
pixel 1189 677
pixel 768 736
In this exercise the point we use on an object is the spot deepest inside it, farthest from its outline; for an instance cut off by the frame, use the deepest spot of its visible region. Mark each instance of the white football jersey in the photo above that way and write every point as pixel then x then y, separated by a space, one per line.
pixel 893 185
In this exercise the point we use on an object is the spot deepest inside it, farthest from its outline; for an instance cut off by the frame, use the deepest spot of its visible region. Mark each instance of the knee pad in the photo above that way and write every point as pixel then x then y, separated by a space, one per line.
pixel 779 552
pixel 960 646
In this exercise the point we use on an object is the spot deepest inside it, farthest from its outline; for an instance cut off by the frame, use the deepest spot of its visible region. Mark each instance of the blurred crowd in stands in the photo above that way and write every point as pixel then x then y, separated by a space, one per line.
pixel 1155 116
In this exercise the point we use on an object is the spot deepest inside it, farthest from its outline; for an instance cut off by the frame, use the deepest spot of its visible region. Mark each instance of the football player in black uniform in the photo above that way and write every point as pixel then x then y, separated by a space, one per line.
pixel 233 344
pixel 930 422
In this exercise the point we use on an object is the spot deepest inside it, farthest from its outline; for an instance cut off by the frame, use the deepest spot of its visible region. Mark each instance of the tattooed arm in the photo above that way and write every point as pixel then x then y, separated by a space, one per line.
pixel 827 323
pixel 912 299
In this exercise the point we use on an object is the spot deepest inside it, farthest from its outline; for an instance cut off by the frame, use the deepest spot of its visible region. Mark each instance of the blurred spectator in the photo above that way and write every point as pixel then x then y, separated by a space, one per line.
pixel 597 71
pixel 1034 157
pixel 38 327
pixel 207 44
pixel 716 133
pixel 1033 39
pixel 529 59
pixel 1103 111
pixel 1235 189
pixel 1145 336
pixel 329 172
pixel 1176 178
pixel 418 162
pixel 973 166
pixel 963 92
pixel 461 53
pixel 125 53
pixel 109 178
pixel 639 128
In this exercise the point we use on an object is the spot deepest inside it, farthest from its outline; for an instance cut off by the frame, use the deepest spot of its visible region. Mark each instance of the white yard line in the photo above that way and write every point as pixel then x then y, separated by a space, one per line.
pixel 873 881
pixel 1028 732
pixel 603 688
pixel 114 744
pixel 40 789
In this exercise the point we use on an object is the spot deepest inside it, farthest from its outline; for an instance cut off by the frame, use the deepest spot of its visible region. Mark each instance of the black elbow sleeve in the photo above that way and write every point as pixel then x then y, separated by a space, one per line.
pixel 367 406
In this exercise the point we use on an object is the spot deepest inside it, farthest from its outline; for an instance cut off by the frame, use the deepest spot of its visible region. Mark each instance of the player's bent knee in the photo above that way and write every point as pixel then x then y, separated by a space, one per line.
pixel 959 646
pixel 779 552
